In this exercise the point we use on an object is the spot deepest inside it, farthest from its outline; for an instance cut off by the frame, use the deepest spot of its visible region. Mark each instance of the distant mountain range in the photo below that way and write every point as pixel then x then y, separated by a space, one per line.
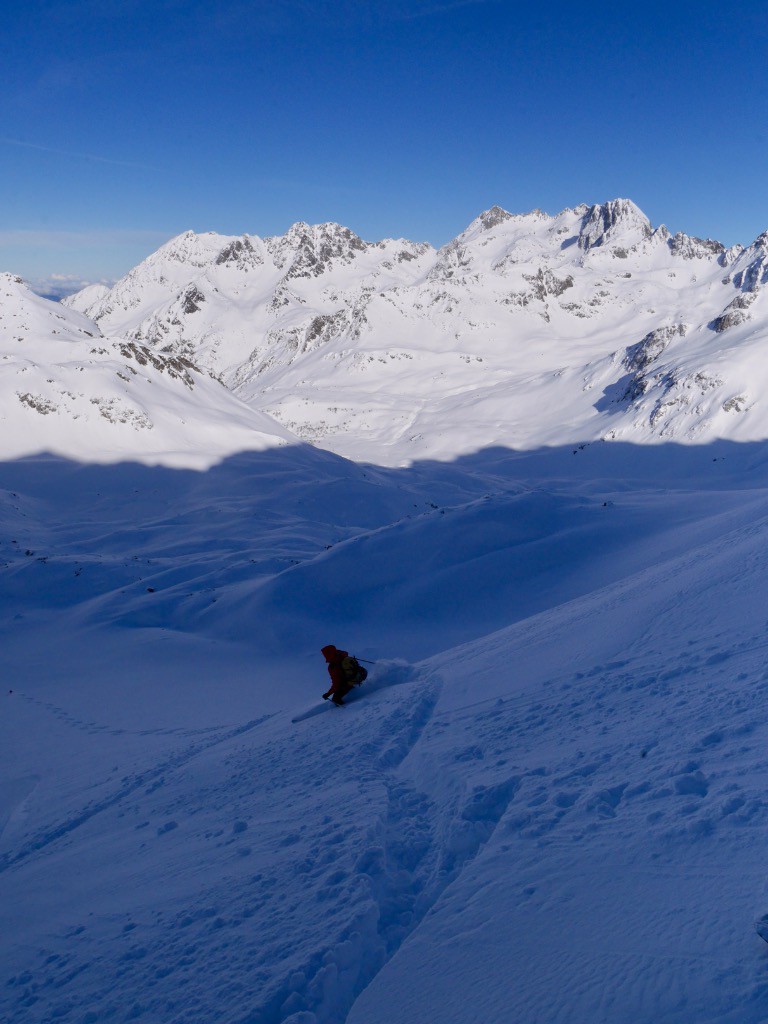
pixel 525 330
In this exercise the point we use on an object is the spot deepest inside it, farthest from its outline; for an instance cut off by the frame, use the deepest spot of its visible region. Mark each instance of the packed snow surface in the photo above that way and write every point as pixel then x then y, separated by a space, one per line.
pixel 547 804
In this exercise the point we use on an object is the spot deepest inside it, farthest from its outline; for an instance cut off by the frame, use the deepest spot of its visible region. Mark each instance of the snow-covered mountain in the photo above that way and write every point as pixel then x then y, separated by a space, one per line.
pixel 524 330
pixel 65 388
pixel 548 801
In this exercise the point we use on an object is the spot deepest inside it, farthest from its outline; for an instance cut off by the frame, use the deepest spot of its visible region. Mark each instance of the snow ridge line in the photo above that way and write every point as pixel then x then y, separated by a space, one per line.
pixel 331 978
pixel 170 764
pixel 405 735
pixel 416 854
pixel 420 846
pixel 417 860
pixel 403 522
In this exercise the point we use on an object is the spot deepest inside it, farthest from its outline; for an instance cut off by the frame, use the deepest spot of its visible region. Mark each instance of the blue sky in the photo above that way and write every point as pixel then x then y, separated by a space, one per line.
pixel 123 122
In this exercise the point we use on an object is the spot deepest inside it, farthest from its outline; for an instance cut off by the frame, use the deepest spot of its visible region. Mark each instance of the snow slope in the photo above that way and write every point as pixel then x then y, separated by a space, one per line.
pixel 64 388
pixel 561 818
pixel 524 331
pixel 547 803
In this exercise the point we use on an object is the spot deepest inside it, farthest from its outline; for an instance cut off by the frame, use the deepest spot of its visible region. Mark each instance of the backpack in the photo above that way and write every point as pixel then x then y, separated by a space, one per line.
pixel 353 670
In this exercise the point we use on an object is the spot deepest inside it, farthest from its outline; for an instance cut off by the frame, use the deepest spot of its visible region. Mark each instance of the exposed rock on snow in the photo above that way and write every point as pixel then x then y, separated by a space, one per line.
pixel 641 355
pixel 65 388
pixel 310 251
pixel 242 253
pixel 192 299
pixel 545 283
pixel 751 268
pixel 493 217
pixel 691 248
pixel 501 336
pixel 618 219
pixel 733 314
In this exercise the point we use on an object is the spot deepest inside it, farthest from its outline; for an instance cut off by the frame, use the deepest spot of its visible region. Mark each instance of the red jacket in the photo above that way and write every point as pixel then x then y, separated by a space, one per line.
pixel 334 658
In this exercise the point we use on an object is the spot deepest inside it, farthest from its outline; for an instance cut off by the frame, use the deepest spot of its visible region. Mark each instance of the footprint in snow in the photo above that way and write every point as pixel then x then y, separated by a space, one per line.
pixel 692 784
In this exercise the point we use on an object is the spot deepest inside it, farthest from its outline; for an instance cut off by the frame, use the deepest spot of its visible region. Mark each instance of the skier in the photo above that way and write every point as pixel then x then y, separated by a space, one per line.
pixel 345 672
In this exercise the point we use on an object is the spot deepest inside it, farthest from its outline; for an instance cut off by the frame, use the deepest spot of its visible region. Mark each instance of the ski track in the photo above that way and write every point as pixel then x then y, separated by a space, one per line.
pixel 150 778
pixel 362 893
pixel 336 903
pixel 92 727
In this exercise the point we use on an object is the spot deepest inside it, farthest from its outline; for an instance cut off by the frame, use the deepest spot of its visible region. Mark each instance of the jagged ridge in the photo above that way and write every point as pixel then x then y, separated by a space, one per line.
pixel 520 329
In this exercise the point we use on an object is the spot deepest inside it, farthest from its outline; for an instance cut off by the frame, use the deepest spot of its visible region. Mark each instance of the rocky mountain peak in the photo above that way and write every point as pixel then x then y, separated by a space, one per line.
pixel 749 266
pixel 241 253
pixel 618 219
pixel 594 280
pixel 196 250
pixel 690 247
pixel 493 217
pixel 318 246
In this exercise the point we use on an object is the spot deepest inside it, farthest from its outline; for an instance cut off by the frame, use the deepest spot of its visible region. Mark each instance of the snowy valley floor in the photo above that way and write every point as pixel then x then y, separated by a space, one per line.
pixel 548 804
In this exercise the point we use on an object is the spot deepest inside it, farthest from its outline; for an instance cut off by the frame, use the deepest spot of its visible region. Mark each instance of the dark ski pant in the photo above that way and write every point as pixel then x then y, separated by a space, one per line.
pixel 338 695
